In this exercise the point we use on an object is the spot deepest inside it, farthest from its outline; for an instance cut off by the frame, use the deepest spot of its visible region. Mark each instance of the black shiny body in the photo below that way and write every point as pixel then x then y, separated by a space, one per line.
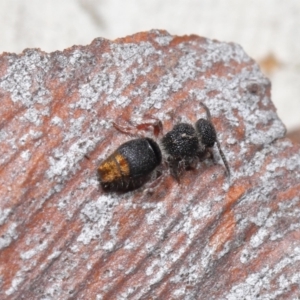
pixel 130 165
pixel 206 133
pixel 143 155
pixel 181 141
pixel 185 144
pixel 182 147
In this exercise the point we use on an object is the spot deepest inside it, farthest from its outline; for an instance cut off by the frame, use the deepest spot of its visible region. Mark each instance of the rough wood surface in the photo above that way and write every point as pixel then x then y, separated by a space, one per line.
pixel 207 237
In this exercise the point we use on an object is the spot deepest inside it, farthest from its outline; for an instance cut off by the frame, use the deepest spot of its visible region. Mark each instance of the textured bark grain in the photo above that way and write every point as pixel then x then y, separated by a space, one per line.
pixel 207 237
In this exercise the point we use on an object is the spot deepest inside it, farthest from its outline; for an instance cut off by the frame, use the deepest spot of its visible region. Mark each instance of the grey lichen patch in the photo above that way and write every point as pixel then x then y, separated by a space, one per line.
pixel 194 272
pixel 26 155
pixel 55 254
pixel 186 69
pixel 264 137
pixel 68 65
pixel 267 220
pixel 101 85
pixel 33 116
pixel 9 236
pixel 80 58
pixel 266 284
pixel 164 40
pixel 57 121
pixel 275 168
pixel 110 83
pixel 225 52
pixel 64 202
pixel 156 214
pixel 4 213
pixel 19 79
pixel 96 216
pixel 62 164
pixel 74 129
pixel 130 59
pixel 29 254
pixel 124 55
pixel 261 217
pixel 200 211
pixel 258 238
pixel 16 282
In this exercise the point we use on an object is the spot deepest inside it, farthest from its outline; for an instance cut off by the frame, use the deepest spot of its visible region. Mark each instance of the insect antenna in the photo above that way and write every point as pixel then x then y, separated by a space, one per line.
pixel 223 157
pixel 208 117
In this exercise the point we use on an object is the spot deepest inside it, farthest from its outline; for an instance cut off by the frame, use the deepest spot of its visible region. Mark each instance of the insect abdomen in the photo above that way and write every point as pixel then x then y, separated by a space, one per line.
pixel 130 165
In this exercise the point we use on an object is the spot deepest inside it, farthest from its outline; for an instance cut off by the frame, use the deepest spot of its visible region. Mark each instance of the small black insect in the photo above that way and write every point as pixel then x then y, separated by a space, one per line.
pixel 185 144
pixel 130 165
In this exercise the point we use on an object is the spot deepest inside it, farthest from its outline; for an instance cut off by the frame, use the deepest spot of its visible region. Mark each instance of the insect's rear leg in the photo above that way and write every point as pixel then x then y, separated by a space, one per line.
pixel 136 128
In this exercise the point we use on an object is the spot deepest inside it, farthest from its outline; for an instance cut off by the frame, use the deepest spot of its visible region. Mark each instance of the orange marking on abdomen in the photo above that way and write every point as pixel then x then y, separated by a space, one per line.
pixel 123 164
pixel 109 170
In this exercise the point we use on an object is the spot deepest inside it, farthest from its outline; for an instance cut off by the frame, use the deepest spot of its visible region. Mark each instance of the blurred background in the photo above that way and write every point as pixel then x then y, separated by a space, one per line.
pixel 268 30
